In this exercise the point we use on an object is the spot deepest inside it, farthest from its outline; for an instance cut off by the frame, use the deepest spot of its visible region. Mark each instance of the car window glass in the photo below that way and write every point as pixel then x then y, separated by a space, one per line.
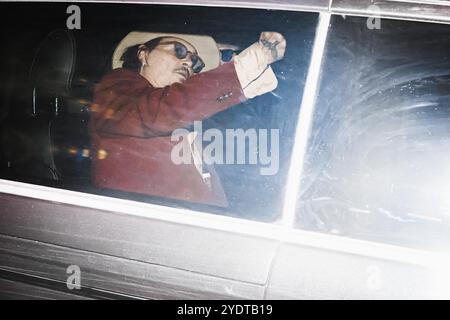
pixel 377 166
pixel 50 75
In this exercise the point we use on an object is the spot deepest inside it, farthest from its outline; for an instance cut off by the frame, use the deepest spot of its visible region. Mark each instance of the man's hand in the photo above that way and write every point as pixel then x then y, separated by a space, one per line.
pixel 274 45
pixel 253 64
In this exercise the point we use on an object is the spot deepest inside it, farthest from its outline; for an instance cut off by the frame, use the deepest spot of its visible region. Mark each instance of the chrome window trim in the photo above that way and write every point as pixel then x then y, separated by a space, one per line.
pixel 416 10
pixel 289 5
pixel 426 2
pixel 304 122
pixel 436 11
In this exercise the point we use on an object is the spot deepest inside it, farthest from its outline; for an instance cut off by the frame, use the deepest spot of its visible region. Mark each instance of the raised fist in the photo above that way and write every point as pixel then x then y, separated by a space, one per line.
pixel 274 45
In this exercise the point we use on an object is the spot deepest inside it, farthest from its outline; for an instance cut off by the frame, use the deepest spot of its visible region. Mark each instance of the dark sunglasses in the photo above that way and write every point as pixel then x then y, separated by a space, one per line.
pixel 181 52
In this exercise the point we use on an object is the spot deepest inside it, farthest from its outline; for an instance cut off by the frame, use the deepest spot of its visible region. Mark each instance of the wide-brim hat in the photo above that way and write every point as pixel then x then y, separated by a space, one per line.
pixel 206 46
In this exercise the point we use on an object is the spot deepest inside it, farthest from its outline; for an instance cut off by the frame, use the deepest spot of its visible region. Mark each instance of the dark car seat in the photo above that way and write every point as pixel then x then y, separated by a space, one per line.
pixel 50 139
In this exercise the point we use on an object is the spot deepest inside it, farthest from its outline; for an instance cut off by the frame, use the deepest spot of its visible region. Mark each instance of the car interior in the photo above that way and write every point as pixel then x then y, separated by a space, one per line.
pixel 52 72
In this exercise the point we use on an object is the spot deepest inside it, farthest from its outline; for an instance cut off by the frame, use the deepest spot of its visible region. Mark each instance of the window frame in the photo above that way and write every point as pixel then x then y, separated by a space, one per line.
pixel 280 231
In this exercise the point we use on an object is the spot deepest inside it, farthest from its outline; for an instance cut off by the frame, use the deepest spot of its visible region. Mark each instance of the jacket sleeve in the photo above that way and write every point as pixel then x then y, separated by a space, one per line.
pixel 126 105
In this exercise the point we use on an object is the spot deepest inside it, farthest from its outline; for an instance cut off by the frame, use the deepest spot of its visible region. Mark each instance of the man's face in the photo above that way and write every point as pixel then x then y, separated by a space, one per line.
pixel 163 65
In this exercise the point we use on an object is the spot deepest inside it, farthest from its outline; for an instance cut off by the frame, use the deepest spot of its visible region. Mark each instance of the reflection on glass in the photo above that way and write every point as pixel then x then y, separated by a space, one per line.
pixel 378 164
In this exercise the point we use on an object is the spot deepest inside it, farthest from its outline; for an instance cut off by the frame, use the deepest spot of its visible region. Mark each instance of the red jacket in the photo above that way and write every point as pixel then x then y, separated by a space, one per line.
pixel 131 125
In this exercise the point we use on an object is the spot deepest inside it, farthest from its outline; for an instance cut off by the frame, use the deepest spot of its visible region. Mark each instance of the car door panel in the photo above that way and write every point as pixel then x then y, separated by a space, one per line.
pixel 189 252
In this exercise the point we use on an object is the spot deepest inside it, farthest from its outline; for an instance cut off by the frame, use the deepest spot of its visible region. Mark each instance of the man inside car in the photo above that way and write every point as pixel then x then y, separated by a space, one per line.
pixel 160 88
